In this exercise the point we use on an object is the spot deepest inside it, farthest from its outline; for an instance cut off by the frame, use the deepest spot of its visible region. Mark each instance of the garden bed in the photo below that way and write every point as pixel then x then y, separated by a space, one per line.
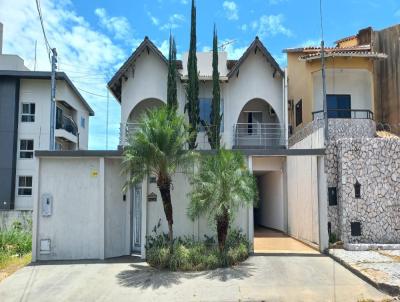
pixel 185 254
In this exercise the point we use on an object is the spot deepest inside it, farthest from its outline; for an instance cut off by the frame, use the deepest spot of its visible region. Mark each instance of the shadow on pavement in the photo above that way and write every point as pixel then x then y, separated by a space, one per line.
pixel 144 276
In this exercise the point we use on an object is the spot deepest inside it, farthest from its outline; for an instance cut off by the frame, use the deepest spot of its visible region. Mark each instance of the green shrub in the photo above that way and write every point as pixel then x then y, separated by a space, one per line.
pixel 14 242
pixel 185 254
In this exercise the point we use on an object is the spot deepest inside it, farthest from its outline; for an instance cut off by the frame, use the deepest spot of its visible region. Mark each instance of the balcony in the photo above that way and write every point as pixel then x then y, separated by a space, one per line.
pixel 258 136
pixel 344 114
pixel 66 128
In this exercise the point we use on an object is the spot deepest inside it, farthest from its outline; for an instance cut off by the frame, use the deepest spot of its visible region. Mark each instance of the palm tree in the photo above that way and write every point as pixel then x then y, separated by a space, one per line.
pixel 158 148
pixel 221 185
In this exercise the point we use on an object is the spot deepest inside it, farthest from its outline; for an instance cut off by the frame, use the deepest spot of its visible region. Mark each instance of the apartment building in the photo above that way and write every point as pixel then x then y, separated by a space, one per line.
pixel 25 126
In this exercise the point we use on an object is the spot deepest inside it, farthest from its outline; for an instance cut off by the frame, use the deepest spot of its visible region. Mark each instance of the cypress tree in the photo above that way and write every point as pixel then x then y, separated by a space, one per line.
pixel 192 88
pixel 172 99
pixel 213 130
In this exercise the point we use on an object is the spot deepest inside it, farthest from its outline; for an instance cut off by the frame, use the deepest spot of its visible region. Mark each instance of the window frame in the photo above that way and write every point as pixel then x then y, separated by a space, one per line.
pixel 31 117
pixel 25 186
pixel 83 122
pixel 299 112
pixel 335 98
pixel 26 151
pixel 221 110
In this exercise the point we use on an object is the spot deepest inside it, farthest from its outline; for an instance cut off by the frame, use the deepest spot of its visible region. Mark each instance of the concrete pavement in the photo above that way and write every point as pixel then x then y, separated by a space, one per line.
pixel 260 278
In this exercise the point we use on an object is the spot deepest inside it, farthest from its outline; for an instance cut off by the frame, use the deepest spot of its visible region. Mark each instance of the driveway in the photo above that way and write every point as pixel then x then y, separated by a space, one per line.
pixel 260 278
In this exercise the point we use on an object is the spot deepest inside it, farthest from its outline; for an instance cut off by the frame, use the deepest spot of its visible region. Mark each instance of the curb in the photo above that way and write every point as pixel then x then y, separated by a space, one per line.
pixel 391 290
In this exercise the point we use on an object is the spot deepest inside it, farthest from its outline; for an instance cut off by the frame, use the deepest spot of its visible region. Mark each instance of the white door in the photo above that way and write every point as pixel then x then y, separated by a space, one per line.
pixel 136 218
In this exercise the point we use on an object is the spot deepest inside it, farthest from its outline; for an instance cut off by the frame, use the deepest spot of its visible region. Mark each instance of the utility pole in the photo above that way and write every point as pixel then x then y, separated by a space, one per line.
pixel 324 102
pixel 325 105
pixel 108 101
pixel 53 99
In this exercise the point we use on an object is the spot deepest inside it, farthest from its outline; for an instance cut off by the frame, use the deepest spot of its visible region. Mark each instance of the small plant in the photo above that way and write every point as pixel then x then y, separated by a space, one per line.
pixel 186 254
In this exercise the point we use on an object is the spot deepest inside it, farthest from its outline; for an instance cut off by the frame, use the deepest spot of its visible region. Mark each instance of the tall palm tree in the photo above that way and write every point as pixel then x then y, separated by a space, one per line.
pixel 221 185
pixel 158 148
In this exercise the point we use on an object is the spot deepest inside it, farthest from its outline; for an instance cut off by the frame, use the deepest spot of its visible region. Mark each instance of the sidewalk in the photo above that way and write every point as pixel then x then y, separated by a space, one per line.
pixel 380 268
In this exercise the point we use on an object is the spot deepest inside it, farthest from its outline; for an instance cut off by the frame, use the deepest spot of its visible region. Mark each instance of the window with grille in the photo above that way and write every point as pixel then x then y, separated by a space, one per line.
pixel 28 112
pixel 26 148
pixel 25 185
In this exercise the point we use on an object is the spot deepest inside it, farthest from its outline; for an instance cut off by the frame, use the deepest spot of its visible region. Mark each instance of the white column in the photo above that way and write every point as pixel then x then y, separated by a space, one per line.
pixel 322 205
pixel 101 218
pixel 251 209
pixel 144 218
pixel 36 208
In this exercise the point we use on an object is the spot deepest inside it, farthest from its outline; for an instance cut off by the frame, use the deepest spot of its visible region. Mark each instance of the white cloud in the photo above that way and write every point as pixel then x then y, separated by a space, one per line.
pixel 164 48
pixel 310 42
pixel 119 26
pixel 174 21
pixel 234 53
pixel 232 12
pixel 397 14
pixel 153 19
pixel 88 56
pixel 184 2
pixel 271 25
pixel 275 2
pixel 243 27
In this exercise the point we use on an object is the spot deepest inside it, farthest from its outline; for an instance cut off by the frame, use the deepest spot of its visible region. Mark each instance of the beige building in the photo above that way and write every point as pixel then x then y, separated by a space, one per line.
pixel 349 81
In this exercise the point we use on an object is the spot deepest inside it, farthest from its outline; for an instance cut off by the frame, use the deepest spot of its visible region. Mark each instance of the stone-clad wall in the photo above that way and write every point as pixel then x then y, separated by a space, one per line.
pixel 338 128
pixel 375 164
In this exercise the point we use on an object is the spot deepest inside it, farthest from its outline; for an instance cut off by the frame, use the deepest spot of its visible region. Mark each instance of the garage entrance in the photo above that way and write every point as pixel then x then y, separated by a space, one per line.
pixel 270 215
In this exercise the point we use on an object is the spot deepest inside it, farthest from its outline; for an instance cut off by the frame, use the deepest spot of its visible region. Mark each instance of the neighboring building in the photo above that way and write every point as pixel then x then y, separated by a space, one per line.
pixel 25 126
pixel 360 166
pixel 349 82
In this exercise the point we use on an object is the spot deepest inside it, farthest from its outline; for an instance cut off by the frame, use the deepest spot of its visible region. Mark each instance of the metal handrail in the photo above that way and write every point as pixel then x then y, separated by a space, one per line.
pixel 354 113
pixel 265 135
pixel 68 124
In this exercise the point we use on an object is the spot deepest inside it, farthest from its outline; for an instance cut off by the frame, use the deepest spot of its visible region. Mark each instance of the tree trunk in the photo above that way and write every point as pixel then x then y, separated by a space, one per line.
pixel 222 229
pixel 164 185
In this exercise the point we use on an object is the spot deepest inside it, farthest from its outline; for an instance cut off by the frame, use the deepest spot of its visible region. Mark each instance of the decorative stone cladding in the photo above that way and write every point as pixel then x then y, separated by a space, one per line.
pixel 338 128
pixel 375 164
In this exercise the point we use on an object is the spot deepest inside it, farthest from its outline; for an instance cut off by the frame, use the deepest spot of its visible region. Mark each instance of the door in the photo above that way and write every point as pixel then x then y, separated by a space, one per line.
pixel 136 218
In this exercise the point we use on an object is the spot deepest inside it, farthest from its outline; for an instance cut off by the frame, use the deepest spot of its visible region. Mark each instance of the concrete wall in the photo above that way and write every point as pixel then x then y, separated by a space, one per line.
pixel 89 217
pixel 9 218
pixel 271 204
pixel 303 190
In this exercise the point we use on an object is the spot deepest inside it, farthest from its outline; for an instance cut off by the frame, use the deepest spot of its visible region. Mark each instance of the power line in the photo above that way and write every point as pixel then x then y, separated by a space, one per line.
pixel 92 93
pixel 48 47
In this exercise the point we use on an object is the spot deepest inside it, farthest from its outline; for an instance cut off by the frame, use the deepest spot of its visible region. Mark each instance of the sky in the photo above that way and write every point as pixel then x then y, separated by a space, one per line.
pixel 94 37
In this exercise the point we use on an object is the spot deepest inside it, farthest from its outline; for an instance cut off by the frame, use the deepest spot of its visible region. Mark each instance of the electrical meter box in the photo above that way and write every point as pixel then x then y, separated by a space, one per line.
pixel 47 204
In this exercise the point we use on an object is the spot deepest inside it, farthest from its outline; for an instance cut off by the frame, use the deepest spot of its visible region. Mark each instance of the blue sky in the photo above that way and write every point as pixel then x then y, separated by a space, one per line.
pixel 94 38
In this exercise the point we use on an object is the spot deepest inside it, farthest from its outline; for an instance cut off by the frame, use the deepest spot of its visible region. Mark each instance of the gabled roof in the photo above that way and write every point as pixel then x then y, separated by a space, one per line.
pixel 257 44
pixel 314 49
pixel 46 75
pixel 115 83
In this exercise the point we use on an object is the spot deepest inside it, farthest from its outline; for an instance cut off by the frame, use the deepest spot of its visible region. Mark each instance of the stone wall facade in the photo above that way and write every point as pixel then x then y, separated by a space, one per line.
pixel 374 163
pixel 338 128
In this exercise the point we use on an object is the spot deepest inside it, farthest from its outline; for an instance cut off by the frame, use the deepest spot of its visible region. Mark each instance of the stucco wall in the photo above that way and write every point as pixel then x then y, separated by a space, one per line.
pixel 356 82
pixel 302 186
pixel 271 204
pixel 76 226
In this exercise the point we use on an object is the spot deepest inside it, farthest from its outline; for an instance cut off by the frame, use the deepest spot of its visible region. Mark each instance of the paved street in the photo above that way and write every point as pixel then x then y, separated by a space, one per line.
pixel 260 278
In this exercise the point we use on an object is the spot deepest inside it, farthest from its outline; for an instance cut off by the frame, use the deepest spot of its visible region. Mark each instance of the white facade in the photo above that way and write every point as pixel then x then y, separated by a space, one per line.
pixel 256 86
pixel 37 91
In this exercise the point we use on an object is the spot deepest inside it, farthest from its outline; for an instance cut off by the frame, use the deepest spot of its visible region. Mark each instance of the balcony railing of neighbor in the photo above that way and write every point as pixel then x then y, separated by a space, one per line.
pixel 258 135
pixel 67 123
pixel 344 113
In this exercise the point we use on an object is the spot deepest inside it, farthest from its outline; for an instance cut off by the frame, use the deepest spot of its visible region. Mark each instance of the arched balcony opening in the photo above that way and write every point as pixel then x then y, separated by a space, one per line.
pixel 258 127
pixel 132 123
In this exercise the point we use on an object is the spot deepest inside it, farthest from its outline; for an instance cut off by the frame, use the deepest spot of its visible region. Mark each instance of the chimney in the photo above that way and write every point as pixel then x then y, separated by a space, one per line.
pixel 1 38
